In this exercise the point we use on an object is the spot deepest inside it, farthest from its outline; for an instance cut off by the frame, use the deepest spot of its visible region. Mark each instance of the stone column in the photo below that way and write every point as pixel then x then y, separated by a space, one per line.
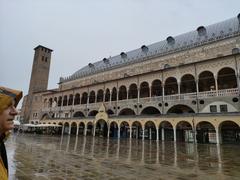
pixel 110 100
pixel 127 93
pixel 150 91
pixel 138 95
pixel 62 129
pixel 108 133
pixel 143 133
pixel 174 134
pixel 119 129
pixel 130 129
pixel 162 130
pixel 218 140
pixel 150 133
pixel 157 130
pixel 216 84
pixel 85 130
pixel 179 89
pixel 77 130
pixel 94 129
pixel 69 130
pixel 163 92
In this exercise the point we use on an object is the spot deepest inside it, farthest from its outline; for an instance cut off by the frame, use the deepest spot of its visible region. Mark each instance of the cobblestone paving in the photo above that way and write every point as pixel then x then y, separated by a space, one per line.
pixel 69 157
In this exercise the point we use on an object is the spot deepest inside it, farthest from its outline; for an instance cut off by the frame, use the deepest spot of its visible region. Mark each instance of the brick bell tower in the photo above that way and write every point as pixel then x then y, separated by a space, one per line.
pixel 39 78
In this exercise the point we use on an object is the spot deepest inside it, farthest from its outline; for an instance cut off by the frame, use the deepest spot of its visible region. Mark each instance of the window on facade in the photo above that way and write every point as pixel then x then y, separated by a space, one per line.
pixel 213 108
pixel 45 59
pixel 223 108
pixel 66 115
pixel 42 58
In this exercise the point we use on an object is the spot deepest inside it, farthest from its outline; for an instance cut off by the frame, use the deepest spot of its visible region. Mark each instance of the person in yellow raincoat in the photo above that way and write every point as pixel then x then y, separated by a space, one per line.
pixel 9 99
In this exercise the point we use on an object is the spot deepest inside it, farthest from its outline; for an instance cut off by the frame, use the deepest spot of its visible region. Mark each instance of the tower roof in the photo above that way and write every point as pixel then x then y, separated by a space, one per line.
pixel 40 46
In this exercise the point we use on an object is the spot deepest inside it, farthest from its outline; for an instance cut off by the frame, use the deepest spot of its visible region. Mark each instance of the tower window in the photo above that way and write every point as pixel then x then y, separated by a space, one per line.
pixel 42 58
pixel 45 59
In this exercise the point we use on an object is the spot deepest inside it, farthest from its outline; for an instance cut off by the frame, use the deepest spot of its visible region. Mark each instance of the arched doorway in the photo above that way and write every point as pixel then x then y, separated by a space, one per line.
pixel 171 86
pixel 206 81
pixel 184 132
pixel 124 130
pixel 205 132
pixel 144 90
pixel 66 128
pixel 81 128
pixel 100 95
pixel 227 79
pixel 122 94
pixel 136 130
pixel 101 128
pixel 150 131
pixel 74 128
pixel 92 97
pixel 156 88
pixel 230 132
pixel 78 114
pixel 132 92
pixel 113 130
pixel 166 131
pixel 89 128
pixel 188 84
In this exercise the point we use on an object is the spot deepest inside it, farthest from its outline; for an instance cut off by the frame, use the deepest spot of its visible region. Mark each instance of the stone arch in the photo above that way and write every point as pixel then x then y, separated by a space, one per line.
pixel 126 112
pixel 92 97
pixel 150 130
pixel 77 99
pixel 113 129
pixel 188 84
pixel 124 129
pixel 144 89
pixel 171 86
pixel 70 100
pixel 230 132
pixel 107 95
pixel 66 127
pixel 205 132
pixel 114 94
pixel 89 127
pixel 78 114
pixel 184 132
pixel 180 109
pixel 150 110
pixel 84 98
pixel 65 100
pixel 74 128
pixel 101 128
pixel 136 130
pixel 156 89
pixel 122 94
pixel 166 131
pixel 50 101
pixel 226 78
pixel 100 95
pixel 133 91
pixel 206 81
pixel 93 113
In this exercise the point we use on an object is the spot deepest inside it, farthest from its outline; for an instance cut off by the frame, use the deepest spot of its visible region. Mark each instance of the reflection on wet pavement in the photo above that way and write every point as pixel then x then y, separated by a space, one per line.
pixel 71 157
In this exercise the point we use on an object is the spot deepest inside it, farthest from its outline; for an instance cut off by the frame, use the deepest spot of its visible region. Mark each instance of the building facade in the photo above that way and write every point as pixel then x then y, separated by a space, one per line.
pixel 185 88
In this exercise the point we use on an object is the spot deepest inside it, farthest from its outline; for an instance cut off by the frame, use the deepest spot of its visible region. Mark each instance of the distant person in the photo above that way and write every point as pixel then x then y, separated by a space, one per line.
pixel 9 99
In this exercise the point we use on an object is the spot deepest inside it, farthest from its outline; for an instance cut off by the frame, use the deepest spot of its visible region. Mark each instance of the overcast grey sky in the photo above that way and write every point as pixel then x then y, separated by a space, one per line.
pixel 81 31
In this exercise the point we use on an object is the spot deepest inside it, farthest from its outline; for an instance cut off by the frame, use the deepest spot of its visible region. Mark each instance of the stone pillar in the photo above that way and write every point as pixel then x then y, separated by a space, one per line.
pixel 94 129
pixel 179 89
pixel 69 130
pixel 119 129
pixel 77 130
pixel 163 138
pixel 218 139
pixel 143 133
pixel 174 134
pixel 85 130
pixel 216 84
pixel 150 91
pixel 157 130
pixel 138 97
pixel 108 133
pixel 130 129
pixel 163 92
pixel 62 129
pixel 127 93
pixel 110 100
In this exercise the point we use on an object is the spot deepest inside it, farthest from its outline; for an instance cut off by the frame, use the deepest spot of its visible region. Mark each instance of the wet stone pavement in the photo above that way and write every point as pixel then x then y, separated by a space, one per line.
pixel 70 157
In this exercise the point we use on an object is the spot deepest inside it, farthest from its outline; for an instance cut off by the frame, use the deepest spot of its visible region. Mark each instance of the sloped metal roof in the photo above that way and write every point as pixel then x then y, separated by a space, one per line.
pixel 211 33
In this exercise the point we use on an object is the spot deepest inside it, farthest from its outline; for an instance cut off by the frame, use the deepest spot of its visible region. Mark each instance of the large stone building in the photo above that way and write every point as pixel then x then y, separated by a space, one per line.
pixel 184 88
